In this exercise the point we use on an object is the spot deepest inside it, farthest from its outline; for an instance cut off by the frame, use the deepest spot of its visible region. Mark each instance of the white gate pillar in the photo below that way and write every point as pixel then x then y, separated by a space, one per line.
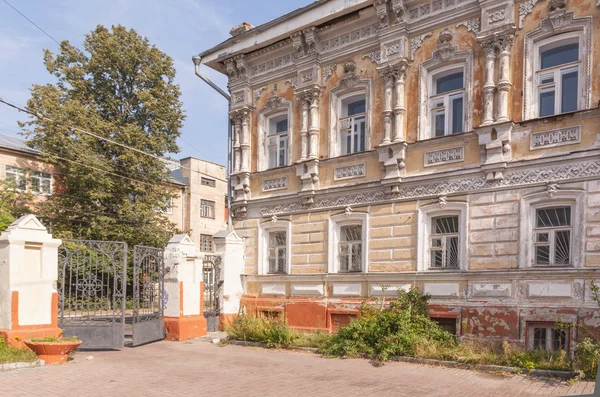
pixel 184 289
pixel 28 277
pixel 231 248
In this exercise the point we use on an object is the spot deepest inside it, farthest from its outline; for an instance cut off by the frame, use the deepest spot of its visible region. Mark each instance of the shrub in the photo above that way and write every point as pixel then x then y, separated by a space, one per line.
pixel 389 331
pixel 587 353
pixel 270 330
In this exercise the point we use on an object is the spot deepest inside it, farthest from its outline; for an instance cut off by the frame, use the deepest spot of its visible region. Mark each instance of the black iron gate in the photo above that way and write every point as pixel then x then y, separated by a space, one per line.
pixel 91 286
pixel 212 286
pixel 148 292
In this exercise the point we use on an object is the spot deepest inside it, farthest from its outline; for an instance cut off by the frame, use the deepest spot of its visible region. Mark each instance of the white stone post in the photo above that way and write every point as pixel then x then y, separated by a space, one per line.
pixel 184 289
pixel 399 107
pixel 245 142
pixel 236 143
pixel 504 83
pixel 231 248
pixel 28 277
pixel 489 86
pixel 388 78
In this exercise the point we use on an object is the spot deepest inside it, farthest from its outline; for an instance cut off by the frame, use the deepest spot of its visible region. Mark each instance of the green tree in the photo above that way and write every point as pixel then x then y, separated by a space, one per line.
pixel 13 203
pixel 121 88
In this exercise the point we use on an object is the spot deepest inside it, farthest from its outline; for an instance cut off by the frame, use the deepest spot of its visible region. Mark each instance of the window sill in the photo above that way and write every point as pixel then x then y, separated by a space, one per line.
pixel 460 136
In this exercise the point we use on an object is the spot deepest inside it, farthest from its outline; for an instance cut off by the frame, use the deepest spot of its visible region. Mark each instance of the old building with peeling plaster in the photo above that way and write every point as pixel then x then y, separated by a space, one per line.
pixel 450 145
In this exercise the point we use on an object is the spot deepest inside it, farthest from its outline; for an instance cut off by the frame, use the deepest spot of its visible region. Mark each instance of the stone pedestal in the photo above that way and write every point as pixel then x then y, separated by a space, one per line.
pixel 184 290
pixel 231 248
pixel 28 277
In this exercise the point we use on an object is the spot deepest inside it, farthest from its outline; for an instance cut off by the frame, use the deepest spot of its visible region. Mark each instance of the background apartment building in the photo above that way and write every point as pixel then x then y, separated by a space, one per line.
pixel 447 144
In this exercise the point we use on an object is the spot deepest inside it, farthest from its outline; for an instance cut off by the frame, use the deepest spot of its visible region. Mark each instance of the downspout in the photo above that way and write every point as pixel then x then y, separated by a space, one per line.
pixel 197 61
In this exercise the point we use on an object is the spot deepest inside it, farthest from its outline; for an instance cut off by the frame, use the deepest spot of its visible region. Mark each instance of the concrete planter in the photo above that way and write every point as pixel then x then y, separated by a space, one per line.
pixel 53 352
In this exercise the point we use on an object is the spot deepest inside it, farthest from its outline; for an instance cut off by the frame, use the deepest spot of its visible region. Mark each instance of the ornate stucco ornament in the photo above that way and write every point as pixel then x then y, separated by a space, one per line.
pixel 551 189
pixel 417 42
pixel 274 218
pixel 348 211
pixel 442 201
pixel 472 25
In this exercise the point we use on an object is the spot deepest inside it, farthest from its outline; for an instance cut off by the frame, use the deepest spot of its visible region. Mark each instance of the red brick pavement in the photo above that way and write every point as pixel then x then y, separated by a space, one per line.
pixel 198 368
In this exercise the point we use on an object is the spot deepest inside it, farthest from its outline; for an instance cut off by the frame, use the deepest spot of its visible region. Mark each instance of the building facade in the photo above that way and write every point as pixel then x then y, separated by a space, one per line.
pixel 450 145
pixel 199 207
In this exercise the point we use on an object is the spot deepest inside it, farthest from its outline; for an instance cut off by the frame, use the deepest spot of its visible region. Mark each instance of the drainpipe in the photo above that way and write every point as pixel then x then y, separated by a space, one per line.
pixel 197 61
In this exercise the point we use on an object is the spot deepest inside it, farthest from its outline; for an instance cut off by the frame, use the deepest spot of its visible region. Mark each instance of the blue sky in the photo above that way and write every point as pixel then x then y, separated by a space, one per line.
pixel 180 28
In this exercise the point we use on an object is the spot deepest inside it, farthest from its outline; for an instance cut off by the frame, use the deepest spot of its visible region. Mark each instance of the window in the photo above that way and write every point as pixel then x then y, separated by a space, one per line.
pixel 350 248
pixel 443 242
pixel 352 124
pixel 546 337
pixel 552 236
pixel 441 237
pixel 17 176
pixel 274 246
pixel 207 182
pixel 207 209
pixel 277 141
pixel 206 243
pixel 277 251
pixel 558 77
pixel 41 183
pixel 446 103
pixel 348 244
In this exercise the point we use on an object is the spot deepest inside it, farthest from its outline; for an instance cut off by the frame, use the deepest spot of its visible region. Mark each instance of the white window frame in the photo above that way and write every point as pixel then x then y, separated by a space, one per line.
pixel 336 96
pixel 551 235
pixel 559 29
pixel 263 244
pixel 275 107
pixel 556 71
pixel 41 176
pixel 447 98
pixel 334 227
pixel 21 174
pixel 344 101
pixel 426 214
pixel 442 60
pixel 529 204
pixel 278 138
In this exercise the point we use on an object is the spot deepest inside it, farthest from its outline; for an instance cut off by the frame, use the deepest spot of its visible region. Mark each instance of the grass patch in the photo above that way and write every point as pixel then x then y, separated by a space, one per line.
pixel 9 354
pixel 55 339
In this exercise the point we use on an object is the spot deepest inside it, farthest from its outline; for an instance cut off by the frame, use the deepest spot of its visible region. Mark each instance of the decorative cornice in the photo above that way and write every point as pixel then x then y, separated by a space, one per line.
pixel 472 25
pixel 552 138
pixel 350 171
pixel 444 156
pixel 523 177
pixel 417 42
pixel 275 184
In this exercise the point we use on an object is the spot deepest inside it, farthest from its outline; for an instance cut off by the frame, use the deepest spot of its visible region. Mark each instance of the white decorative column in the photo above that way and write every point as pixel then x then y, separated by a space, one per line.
pixel 231 249
pixel 245 141
pixel 504 83
pixel 28 277
pixel 236 142
pixel 313 128
pixel 184 289
pixel 489 87
pixel 388 78
pixel 304 130
pixel 399 106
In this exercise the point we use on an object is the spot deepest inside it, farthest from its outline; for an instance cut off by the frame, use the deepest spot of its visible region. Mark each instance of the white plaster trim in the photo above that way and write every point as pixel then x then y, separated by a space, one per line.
pixel 350 171
pixel 336 95
pixel 441 60
pixel 444 156
pixel 442 289
pixel 269 185
pixel 349 289
pixel 388 289
pixel 335 222
pixel 549 290
pixel 263 243
pixel 491 290
pixel 426 212
pixel 557 26
pixel 273 289
pixel 272 109
pixel 552 138
pixel 529 203
pixel 307 289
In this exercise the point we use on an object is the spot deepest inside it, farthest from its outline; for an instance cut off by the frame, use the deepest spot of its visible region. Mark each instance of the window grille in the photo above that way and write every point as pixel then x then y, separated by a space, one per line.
pixel 206 243
pixel 552 236
pixel 350 248
pixel 443 242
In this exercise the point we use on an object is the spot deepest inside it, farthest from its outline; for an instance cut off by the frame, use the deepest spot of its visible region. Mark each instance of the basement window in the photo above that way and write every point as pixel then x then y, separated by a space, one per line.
pixel 545 336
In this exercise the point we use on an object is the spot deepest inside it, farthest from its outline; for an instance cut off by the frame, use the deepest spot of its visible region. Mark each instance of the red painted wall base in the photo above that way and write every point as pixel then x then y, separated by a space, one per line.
pixel 185 327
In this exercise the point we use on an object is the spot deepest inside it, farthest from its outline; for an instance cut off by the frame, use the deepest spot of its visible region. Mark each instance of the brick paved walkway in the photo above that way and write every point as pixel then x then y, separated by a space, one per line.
pixel 199 368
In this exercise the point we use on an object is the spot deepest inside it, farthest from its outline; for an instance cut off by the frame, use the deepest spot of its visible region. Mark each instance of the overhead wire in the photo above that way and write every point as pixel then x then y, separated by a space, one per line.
pixel 30 21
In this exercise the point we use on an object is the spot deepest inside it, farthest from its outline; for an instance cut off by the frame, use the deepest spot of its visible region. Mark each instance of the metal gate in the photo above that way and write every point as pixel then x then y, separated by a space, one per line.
pixel 91 287
pixel 148 292
pixel 212 286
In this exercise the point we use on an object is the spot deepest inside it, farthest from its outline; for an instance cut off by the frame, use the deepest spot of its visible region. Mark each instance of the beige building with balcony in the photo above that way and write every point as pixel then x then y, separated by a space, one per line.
pixel 450 145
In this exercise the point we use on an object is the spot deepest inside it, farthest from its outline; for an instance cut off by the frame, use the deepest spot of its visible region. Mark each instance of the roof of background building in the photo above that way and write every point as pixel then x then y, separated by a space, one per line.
pixel 15 143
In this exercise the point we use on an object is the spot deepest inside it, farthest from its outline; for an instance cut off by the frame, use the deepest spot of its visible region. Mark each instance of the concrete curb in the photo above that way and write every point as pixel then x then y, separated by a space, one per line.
pixel 441 363
pixel 21 365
